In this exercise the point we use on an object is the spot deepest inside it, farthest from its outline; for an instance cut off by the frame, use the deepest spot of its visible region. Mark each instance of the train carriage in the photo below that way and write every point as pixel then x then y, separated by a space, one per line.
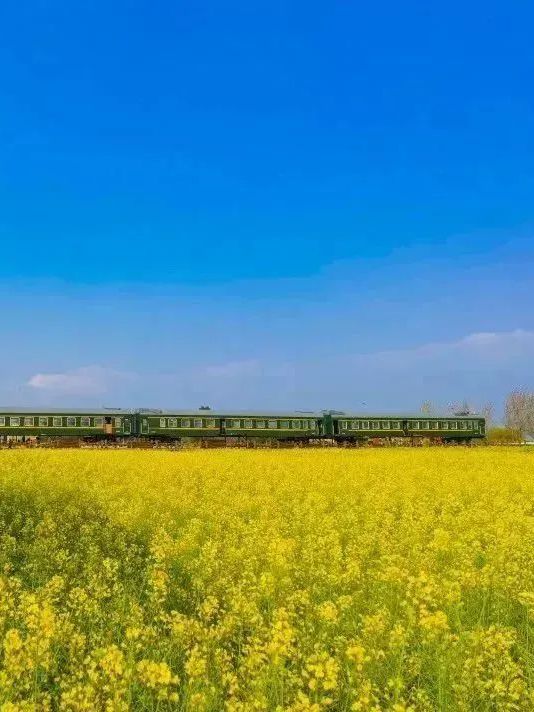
pixel 358 427
pixel 208 424
pixel 53 423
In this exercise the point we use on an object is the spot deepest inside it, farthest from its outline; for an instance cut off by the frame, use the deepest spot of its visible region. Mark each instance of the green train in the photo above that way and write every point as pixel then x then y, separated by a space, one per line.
pixel 36 424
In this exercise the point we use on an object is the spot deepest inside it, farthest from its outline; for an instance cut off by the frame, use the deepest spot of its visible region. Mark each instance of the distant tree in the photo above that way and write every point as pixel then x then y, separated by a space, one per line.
pixel 519 411
pixel 488 412
pixel 427 408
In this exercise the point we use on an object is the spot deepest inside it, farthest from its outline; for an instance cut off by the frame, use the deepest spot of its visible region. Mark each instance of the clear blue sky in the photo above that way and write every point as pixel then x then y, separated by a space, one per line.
pixel 266 204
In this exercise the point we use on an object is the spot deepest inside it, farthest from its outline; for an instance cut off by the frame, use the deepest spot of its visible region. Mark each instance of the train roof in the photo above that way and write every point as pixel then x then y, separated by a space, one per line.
pixel 401 416
pixel 301 414
pixel 203 412
pixel 13 410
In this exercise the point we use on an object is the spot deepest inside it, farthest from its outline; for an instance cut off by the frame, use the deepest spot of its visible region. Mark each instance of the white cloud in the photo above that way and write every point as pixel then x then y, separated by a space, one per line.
pixel 479 345
pixel 483 338
pixel 84 381
pixel 481 366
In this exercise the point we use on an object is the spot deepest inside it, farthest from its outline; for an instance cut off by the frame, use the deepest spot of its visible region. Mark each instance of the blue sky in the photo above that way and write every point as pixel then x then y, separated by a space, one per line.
pixel 294 205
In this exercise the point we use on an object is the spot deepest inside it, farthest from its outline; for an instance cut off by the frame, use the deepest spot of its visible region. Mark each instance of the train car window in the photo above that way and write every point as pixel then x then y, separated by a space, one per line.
pixel 99 422
pixel 364 424
pixel 426 425
pixel 14 422
pixel 296 424
pixel 469 424
pixel 248 423
pixel 354 425
pixel 71 422
pixel 43 421
pixel 57 421
pixel 385 425
pixel 2 421
pixel 185 423
pixel 118 423
pixel 260 424
pixel 197 422
pixel 443 425
pixel 28 422
pixel 162 422
pixel 85 422
pixel 434 425
pixel 173 422
pixel 210 423
pixel 284 424
pixel 475 425
pixel 273 424
pixel 395 425
pixel 453 425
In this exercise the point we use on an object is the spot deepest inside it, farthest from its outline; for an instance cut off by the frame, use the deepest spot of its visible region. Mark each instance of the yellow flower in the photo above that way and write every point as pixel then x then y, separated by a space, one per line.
pixel 288 580
pixel 196 663
pixel 112 661
pixel 154 674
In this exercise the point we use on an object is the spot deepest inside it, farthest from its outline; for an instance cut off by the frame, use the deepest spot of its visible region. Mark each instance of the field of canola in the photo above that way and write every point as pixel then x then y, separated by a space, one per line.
pixel 398 579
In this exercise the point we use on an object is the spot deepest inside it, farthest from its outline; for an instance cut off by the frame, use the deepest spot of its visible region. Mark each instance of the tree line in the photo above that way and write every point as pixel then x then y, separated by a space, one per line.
pixel 519 412
pixel 518 416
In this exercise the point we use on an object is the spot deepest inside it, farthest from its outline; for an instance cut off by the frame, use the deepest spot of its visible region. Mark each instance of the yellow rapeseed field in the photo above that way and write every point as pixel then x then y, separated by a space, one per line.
pixel 394 579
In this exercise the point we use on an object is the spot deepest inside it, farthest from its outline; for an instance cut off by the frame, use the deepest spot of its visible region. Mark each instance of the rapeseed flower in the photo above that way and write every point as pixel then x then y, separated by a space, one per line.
pixel 394 580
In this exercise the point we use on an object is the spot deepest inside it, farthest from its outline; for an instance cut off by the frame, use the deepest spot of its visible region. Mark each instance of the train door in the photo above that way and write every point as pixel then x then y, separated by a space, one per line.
pixel 127 426
pixel 108 425
pixel 144 426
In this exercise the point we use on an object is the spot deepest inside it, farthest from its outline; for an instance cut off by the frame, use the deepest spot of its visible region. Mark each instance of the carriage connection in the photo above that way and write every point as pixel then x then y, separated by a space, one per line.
pixel 205 424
